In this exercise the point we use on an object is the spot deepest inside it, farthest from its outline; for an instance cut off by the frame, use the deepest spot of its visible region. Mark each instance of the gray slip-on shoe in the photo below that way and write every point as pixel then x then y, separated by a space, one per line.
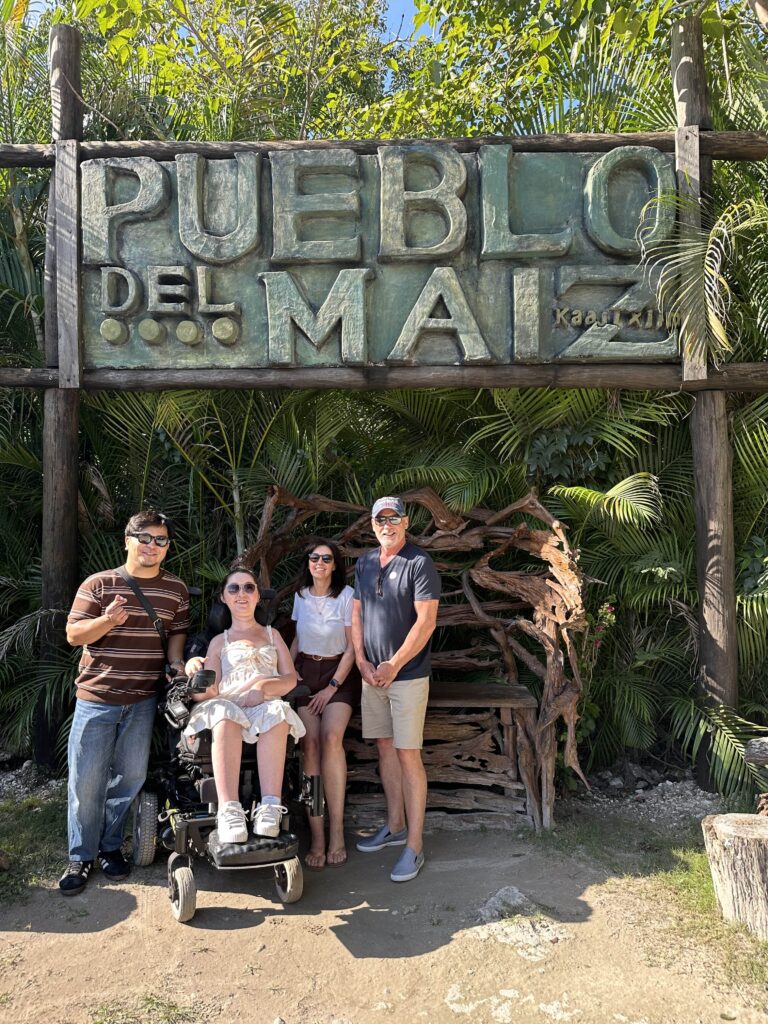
pixel 409 864
pixel 381 839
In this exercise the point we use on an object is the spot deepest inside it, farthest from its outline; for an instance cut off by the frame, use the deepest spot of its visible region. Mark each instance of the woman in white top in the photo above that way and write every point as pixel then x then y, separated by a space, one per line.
pixel 325 662
pixel 253 670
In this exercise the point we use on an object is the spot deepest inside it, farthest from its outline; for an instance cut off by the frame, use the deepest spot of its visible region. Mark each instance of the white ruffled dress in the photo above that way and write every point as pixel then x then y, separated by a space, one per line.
pixel 240 662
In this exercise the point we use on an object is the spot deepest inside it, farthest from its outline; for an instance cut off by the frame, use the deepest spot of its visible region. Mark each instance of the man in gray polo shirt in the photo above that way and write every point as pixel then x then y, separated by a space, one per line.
pixel 397 590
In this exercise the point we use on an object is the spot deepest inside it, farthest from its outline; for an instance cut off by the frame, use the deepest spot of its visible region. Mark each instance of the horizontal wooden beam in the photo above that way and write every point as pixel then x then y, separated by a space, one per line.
pixel 382 378
pixel 26 377
pixel 748 377
pixel 719 145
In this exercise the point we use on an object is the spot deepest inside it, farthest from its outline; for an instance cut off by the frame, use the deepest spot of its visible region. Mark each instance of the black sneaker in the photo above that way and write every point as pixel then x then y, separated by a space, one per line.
pixel 114 865
pixel 74 878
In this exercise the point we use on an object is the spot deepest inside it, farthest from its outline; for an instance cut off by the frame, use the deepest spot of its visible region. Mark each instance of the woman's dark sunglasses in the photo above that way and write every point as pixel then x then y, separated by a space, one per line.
pixel 320 558
pixel 235 588
pixel 147 538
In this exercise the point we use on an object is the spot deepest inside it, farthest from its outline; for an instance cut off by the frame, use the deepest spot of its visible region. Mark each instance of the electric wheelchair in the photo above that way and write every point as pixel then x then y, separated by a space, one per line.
pixel 176 809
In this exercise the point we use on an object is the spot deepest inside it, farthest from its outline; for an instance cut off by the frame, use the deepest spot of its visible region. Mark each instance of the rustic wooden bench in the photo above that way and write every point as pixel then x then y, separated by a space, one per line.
pixel 470 752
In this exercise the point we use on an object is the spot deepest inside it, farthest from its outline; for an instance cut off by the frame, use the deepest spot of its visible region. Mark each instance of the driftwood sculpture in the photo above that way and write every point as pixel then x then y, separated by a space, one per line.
pixel 505 605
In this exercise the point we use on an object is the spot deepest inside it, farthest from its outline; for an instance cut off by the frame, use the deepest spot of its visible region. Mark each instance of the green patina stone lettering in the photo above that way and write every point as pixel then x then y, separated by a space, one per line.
pixel 415 255
pixel 296 208
pixel 101 218
pixel 443 288
pixel 121 291
pixel 499 241
pixel 401 206
pixel 168 290
pixel 604 198
pixel 289 309
pixel 244 236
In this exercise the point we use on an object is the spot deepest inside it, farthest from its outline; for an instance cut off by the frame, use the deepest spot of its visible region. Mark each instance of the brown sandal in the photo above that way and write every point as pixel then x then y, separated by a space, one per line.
pixel 319 857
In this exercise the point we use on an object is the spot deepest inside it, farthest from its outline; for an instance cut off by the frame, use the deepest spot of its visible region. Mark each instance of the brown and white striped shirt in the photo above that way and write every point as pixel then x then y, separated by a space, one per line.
pixel 124 666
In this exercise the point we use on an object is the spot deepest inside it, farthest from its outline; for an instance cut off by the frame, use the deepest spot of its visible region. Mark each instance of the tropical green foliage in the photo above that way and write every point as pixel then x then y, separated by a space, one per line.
pixel 616 467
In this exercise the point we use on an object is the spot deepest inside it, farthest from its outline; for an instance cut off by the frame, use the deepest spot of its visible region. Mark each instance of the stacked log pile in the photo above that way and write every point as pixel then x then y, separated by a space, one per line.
pixel 513 588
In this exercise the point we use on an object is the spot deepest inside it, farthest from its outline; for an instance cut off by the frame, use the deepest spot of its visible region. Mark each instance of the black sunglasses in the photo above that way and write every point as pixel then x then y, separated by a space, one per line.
pixel 392 520
pixel 235 588
pixel 380 583
pixel 320 558
pixel 147 538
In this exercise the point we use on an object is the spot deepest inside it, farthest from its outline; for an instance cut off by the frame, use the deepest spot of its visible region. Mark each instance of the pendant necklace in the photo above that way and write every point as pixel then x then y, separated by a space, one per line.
pixel 321 603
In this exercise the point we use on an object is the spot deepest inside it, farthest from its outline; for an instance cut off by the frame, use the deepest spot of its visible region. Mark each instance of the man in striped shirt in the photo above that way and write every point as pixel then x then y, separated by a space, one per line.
pixel 121 662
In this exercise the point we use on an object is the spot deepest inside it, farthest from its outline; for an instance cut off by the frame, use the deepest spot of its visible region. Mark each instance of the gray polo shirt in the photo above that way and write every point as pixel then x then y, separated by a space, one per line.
pixel 388 616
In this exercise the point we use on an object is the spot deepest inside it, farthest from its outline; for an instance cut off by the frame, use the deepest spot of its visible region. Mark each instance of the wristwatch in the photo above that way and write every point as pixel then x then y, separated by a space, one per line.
pixel 335 684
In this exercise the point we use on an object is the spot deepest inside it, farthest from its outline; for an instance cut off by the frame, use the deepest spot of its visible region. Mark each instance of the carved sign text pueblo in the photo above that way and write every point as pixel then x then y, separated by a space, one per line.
pixel 415 255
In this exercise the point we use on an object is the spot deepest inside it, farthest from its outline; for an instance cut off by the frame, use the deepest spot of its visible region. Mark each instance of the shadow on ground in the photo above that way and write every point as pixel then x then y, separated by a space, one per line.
pixel 372 916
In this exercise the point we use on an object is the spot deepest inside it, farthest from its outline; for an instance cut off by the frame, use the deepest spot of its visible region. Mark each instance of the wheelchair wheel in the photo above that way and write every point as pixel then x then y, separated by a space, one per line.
pixel 289 880
pixel 183 894
pixel 144 828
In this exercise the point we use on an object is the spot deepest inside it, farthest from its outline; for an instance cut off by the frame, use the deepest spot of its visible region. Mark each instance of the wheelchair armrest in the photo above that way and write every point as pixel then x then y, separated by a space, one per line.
pixel 300 690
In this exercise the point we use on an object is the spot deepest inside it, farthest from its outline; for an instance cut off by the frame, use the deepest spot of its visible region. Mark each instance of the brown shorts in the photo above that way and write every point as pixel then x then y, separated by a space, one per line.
pixel 317 674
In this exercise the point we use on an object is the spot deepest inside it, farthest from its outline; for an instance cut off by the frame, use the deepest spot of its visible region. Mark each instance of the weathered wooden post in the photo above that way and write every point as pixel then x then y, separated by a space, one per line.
pixel 62 340
pixel 712 456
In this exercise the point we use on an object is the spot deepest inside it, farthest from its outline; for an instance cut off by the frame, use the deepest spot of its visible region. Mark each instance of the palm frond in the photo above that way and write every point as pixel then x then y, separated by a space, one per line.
pixel 728 734
pixel 634 501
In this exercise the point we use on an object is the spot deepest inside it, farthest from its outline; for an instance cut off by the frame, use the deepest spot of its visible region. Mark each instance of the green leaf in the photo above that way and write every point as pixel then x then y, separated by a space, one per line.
pixel 85 7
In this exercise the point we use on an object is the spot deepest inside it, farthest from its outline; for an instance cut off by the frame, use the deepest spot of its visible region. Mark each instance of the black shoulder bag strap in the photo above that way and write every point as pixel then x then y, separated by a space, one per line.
pixel 155 619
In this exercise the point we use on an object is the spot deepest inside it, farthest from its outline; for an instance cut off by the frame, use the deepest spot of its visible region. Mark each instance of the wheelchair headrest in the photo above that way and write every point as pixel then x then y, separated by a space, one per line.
pixel 265 614
pixel 266 609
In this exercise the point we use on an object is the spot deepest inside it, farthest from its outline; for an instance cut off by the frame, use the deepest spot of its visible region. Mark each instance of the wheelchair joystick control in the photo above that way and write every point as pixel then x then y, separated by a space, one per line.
pixel 180 695
pixel 202 680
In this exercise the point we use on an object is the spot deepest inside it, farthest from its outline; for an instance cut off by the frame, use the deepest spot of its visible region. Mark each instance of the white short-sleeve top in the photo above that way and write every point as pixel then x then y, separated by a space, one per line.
pixel 321 621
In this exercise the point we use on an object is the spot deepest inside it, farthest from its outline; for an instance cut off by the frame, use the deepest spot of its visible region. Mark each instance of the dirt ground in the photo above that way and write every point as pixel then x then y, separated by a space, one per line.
pixel 498 928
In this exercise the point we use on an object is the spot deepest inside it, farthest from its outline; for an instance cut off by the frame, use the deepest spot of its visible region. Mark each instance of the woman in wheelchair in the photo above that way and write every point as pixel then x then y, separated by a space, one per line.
pixel 253 671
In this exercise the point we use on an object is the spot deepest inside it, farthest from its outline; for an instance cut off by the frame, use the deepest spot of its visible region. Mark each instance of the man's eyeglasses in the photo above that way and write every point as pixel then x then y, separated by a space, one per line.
pixel 235 588
pixel 392 520
pixel 380 581
pixel 320 558
pixel 147 538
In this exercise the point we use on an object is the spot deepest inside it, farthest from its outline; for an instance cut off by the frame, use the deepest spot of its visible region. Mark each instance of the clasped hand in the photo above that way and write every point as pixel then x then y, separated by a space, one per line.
pixel 380 675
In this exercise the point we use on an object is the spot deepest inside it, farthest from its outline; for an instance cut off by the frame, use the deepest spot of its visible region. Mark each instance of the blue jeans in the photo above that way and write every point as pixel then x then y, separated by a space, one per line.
pixel 108 754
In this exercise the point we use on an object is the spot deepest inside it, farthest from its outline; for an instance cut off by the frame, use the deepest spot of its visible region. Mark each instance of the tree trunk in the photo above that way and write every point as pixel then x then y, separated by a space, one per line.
pixel 737 848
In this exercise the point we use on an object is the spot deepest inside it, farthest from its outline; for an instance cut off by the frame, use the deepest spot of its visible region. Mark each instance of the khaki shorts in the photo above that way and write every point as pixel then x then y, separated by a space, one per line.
pixel 396 711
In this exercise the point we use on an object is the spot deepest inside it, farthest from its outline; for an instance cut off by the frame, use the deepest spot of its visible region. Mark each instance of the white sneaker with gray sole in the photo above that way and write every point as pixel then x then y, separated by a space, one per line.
pixel 267 818
pixel 231 824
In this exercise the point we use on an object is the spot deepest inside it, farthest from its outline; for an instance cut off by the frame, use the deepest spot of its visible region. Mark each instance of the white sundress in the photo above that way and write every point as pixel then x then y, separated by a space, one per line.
pixel 240 662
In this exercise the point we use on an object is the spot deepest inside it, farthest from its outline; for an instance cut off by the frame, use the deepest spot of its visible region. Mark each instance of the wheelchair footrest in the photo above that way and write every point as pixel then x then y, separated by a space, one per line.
pixel 257 850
